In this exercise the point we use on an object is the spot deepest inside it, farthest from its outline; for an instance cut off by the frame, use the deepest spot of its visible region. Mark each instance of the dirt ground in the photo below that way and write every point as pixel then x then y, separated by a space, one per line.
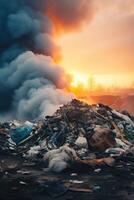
pixel 22 180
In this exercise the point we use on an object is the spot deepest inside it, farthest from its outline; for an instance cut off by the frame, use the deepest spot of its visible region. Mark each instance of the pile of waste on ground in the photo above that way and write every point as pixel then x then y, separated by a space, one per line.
pixel 77 136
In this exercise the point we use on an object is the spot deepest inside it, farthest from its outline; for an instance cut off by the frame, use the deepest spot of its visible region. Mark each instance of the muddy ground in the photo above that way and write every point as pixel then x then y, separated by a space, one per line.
pixel 26 180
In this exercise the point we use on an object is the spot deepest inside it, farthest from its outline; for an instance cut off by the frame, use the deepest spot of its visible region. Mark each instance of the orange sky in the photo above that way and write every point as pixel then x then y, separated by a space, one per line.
pixel 104 48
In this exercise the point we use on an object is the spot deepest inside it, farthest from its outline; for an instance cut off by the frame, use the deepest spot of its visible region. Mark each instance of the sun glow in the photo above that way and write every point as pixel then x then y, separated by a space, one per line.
pixel 80 80
pixel 81 86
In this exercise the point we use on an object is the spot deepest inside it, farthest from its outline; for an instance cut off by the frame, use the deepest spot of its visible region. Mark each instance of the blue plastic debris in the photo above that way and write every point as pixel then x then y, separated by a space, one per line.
pixel 21 133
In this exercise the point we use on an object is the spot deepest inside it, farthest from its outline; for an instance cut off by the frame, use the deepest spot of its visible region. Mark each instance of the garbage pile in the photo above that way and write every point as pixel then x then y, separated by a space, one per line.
pixel 77 135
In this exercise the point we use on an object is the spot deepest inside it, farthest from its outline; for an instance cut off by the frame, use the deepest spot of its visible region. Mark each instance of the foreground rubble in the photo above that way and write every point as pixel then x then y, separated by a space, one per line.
pixel 78 137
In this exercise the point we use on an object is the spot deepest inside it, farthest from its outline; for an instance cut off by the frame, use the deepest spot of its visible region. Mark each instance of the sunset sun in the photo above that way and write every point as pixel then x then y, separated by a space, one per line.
pixel 80 79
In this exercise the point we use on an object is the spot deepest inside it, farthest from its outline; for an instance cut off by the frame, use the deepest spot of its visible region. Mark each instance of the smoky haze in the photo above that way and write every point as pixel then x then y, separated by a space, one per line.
pixel 31 84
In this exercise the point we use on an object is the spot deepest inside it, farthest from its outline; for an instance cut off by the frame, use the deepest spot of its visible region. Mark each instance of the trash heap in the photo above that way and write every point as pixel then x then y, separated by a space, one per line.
pixel 77 135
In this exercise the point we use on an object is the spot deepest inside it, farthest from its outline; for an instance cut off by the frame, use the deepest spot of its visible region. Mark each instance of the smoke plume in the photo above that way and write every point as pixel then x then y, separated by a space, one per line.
pixel 31 84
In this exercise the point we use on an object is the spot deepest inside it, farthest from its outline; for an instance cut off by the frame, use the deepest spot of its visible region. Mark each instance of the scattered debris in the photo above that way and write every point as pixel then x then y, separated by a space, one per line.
pixel 76 181
pixel 74 174
pixel 97 170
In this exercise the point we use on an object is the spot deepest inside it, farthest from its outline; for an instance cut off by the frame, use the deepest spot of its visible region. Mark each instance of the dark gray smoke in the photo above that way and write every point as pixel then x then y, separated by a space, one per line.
pixel 31 84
